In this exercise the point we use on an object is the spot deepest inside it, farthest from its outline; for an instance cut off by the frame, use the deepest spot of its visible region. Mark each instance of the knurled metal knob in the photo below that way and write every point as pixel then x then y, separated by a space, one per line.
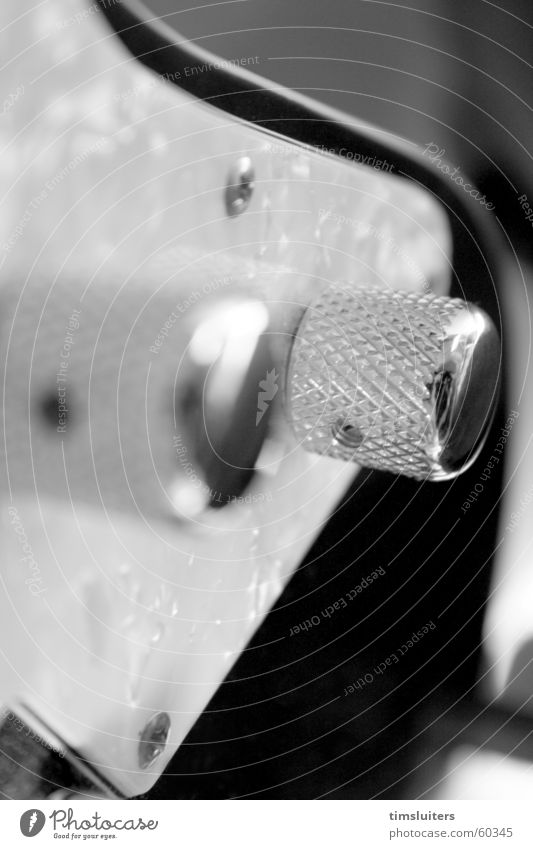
pixel 393 381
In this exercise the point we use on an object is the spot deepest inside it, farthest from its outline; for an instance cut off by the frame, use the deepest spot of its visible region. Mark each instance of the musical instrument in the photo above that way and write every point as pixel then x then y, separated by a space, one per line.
pixel 218 301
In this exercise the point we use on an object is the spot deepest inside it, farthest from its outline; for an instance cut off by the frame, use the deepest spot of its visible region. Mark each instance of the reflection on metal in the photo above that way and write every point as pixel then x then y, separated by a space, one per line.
pixel 154 739
pixel 240 186
pixel 398 382
pixel 220 437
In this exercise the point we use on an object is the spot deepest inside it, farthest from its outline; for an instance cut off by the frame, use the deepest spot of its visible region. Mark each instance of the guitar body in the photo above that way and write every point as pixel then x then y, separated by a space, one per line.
pixel 138 218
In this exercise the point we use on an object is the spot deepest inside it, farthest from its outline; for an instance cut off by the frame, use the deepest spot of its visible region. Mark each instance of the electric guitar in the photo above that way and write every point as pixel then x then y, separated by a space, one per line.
pixel 219 301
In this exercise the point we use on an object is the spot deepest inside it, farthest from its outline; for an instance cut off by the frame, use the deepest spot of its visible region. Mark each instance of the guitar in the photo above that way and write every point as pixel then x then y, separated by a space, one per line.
pixel 179 249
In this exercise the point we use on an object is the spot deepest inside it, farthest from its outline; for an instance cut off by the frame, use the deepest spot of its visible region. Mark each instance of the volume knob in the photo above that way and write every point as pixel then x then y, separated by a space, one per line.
pixel 394 381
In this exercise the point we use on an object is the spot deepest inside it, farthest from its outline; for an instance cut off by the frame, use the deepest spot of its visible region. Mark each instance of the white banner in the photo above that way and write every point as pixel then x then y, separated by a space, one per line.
pixel 267 824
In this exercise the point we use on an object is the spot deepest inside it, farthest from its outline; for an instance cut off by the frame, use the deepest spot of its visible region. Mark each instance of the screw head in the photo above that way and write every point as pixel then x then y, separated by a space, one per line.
pixel 240 186
pixel 348 435
pixel 153 739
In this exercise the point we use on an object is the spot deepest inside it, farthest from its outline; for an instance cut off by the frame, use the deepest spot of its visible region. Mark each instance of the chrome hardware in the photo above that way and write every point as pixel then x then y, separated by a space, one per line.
pixel 220 424
pixel 240 186
pixel 154 739
pixel 394 381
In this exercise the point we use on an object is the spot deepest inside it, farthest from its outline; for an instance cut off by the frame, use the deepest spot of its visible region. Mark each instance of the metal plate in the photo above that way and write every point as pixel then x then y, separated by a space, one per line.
pixel 114 184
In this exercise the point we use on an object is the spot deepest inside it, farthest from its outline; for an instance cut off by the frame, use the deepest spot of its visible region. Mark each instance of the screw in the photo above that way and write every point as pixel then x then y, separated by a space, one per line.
pixel 240 186
pixel 347 434
pixel 153 739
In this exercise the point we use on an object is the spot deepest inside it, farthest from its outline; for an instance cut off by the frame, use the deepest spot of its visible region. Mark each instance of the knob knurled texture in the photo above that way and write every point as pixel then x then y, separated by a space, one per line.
pixel 360 373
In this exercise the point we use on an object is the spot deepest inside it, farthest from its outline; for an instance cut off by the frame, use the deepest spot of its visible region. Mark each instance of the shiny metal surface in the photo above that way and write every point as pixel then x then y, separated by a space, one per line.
pixel 217 399
pixel 154 739
pixel 400 382
pixel 113 186
pixel 240 186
